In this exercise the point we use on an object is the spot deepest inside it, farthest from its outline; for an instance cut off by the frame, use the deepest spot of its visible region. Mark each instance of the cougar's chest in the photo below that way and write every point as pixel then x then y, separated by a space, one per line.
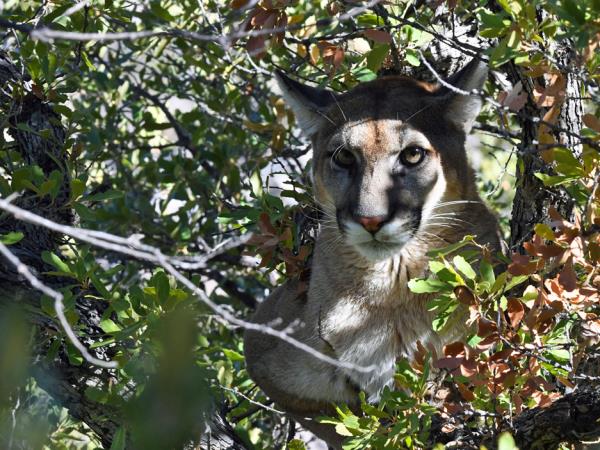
pixel 365 338
pixel 374 328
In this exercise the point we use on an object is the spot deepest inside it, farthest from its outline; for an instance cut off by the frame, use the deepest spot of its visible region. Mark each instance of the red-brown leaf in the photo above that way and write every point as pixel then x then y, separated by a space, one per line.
pixel 568 277
pixel 592 122
pixel 449 363
pixel 485 327
pixel 522 265
pixel 455 349
pixel 237 4
pixel 338 58
pixel 464 295
pixel 256 46
pixel 515 311
pixel 465 392
pixel 383 37
pixel 468 368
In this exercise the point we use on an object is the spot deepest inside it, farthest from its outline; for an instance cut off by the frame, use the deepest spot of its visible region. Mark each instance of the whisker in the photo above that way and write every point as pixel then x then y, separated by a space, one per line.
pixel 455 219
pixel 339 106
pixel 321 113
pixel 441 224
pixel 430 234
pixel 335 152
pixel 418 112
pixel 456 202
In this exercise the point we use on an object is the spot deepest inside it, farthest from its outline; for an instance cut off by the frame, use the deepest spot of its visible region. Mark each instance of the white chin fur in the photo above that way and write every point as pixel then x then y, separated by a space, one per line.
pixel 378 251
pixel 387 242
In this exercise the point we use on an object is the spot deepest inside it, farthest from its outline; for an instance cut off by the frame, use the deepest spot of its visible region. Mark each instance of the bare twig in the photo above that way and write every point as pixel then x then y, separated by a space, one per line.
pixel 48 34
pixel 58 307
pixel 254 402
pixel 494 102
pixel 133 247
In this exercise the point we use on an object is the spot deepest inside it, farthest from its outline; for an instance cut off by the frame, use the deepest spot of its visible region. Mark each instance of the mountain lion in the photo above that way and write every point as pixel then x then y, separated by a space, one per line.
pixel 392 181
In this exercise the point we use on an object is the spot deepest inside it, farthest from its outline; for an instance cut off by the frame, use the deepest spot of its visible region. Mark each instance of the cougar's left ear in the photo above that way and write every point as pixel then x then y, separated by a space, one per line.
pixel 308 103
pixel 461 109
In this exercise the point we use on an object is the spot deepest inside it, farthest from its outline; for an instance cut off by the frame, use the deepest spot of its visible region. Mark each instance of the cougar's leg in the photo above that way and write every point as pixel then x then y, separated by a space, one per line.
pixel 297 381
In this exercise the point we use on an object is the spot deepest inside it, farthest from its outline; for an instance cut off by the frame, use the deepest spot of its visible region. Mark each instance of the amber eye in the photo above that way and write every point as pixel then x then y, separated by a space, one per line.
pixel 412 156
pixel 343 158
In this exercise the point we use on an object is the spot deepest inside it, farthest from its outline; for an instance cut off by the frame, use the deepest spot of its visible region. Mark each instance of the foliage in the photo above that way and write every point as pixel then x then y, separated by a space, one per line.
pixel 179 140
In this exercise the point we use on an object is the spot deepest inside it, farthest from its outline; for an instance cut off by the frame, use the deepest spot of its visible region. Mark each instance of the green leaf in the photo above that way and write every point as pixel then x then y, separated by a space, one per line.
pixel 73 355
pixel 47 304
pixel 370 19
pixel 161 12
pixel 515 281
pixel 295 444
pixel 419 286
pixel 351 422
pixel 448 275
pixel 87 61
pixel 487 272
pixel 119 439
pixel 232 355
pixel 412 57
pixel 27 177
pixel 99 285
pixel 554 180
pixel 111 194
pixel 256 184
pixel 464 267
pixel 493 25
pixel 54 260
pixel 512 7
pixel 566 163
pixel 440 321
pixel 544 231
pixel 376 56
pixel 84 212
pixel 513 40
pixel 108 326
pixel 501 53
pixel 77 188
pixel 95 394
pixel 364 74
pixel 559 355
pixel 506 442
pixel 163 288
pixel 11 238
pixel 341 429
pixel 573 11
pixel 436 266
pixel 440 303
pixel 64 110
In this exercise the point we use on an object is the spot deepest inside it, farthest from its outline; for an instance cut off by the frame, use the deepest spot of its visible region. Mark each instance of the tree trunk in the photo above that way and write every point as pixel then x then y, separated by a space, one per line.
pixel 533 199
pixel 39 138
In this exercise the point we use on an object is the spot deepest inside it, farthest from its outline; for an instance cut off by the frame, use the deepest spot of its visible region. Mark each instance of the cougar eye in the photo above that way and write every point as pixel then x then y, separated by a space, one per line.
pixel 412 156
pixel 343 158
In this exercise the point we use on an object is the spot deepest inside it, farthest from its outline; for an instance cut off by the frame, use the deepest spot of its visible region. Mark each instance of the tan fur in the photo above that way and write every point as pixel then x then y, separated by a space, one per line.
pixel 358 307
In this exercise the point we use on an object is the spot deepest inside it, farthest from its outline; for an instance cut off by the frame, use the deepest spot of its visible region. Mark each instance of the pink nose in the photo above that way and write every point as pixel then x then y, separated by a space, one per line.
pixel 371 224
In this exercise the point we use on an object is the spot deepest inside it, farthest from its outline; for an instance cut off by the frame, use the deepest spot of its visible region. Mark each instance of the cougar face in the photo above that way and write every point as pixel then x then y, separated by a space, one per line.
pixel 386 153
pixel 379 175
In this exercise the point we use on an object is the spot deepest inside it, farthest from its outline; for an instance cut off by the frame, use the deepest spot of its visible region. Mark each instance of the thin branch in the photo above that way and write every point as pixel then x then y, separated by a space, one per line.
pixel 254 402
pixel 58 307
pixel 133 247
pixel 494 102
pixel 47 34
pixel 9 24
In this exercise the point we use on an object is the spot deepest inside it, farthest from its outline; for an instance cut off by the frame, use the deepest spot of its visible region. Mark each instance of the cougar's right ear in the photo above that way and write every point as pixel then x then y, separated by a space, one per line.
pixel 461 109
pixel 308 103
